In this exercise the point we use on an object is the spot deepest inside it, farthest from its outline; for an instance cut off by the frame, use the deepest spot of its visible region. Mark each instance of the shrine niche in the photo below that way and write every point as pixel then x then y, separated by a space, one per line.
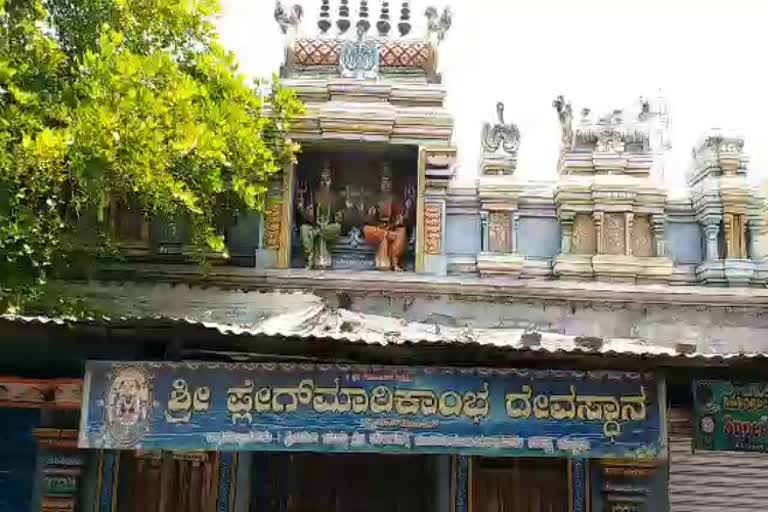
pixel 355 209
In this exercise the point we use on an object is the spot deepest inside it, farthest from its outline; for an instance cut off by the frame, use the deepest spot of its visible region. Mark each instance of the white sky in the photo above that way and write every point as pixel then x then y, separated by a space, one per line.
pixel 707 56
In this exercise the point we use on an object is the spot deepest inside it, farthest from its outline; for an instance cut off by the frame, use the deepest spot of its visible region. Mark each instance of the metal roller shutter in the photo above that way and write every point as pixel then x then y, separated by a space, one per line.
pixel 713 481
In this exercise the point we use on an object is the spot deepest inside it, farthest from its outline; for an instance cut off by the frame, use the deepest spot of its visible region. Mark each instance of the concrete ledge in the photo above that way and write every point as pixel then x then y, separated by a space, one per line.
pixel 406 283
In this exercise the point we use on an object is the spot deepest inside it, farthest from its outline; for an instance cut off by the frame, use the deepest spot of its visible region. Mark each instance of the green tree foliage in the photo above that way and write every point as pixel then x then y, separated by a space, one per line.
pixel 132 100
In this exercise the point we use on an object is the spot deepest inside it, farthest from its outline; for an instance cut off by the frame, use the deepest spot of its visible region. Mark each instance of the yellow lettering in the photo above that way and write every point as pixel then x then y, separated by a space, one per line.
pixel 240 402
pixel 476 404
pixel 563 407
pixel 381 400
pixel 201 400
pixel 327 399
pixel 633 408
pixel 519 404
pixel 450 404
pixel 541 407
pixel 263 400
pixel 179 406
pixel 357 398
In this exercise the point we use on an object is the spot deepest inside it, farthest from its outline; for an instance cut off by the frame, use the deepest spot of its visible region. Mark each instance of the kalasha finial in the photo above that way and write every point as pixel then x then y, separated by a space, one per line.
pixel 383 25
pixel 324 23
pixel 404 27
pixel 343 22
pixel 362 22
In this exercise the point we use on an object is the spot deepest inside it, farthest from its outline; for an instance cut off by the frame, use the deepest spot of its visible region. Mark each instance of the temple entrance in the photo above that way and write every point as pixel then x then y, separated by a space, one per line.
pixel 355 207
pixel 167 482
pixel 308 482
pixel 519 485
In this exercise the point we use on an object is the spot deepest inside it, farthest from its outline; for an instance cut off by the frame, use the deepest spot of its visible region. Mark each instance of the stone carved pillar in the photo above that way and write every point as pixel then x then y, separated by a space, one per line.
pixel 61 466
pixel 515 232
pixel 755 252
pixel 728 221
pixel 598 219
pixel 485 239
pixel 659 234
pixel 711 232
pixel 629 218
pixel 566 233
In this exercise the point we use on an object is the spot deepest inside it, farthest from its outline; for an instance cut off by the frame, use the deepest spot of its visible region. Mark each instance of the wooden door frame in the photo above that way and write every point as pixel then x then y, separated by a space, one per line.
pixel 573 468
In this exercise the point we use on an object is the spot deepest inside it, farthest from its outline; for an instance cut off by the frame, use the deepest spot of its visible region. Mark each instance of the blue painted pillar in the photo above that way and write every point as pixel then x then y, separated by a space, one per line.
pixel 106 487
pixel 227 482
pixel 461 483
pixel 579 473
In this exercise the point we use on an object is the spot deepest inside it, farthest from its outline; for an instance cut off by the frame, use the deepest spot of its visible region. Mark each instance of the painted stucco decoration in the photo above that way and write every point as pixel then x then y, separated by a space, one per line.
pixel 127 405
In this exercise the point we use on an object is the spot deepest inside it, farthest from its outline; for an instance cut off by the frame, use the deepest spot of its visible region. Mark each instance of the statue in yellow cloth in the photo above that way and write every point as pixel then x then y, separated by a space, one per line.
pixel 321 221
pixel 386 226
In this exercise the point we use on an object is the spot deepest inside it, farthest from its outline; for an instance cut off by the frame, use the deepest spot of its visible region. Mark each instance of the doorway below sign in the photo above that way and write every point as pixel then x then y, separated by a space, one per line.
pixel 312 482
pixel 519 485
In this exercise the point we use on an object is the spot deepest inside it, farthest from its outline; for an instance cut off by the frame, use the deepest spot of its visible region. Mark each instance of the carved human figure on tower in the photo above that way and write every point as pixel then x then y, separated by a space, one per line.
pixel 565 115
pixel 321 220
pixel 386 226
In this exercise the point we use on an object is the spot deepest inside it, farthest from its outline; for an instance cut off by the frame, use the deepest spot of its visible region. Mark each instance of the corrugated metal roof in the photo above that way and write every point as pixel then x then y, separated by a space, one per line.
pixel 323 322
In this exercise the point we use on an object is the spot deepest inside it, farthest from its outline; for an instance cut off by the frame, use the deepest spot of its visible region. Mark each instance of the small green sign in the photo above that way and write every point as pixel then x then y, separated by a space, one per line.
pixel 731 416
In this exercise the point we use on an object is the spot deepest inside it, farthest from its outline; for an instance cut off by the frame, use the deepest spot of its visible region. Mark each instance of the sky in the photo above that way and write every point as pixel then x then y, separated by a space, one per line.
pixel 707 58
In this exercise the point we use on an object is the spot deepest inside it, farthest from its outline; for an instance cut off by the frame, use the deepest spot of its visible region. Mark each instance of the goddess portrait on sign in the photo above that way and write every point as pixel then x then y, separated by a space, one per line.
pixel 128 403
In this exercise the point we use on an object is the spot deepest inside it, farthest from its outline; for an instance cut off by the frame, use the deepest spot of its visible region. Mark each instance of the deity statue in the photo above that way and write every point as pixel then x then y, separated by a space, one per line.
pixel 386 226
pixel 321 221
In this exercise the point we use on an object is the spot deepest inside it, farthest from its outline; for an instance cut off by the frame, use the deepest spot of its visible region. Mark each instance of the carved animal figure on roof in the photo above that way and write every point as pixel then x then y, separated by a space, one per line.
pixel 438 25
pixel 288 18
pixel 500 134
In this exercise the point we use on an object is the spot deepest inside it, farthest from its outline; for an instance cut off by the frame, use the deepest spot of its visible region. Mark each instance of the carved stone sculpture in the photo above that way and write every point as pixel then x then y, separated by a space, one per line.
pixel 438 25
pixel 359 58
pixel 321 218
pixel 386 227
pixel 565 115
pixel 287 18
pixel 500 135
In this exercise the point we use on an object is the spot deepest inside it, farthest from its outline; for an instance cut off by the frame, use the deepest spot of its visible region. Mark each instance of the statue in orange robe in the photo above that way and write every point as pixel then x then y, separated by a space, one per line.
pixel 386 226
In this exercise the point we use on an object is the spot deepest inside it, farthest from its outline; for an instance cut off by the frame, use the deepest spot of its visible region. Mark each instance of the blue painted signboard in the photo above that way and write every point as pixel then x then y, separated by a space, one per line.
pixel 335 408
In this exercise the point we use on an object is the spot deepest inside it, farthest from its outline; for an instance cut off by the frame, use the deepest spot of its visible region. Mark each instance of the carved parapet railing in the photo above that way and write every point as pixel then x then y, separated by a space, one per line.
pixel 61 467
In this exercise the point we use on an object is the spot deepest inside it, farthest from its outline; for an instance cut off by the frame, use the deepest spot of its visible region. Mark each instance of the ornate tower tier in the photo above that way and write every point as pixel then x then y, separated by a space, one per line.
pixel 610 207
pixel 728 210
pixel 376 125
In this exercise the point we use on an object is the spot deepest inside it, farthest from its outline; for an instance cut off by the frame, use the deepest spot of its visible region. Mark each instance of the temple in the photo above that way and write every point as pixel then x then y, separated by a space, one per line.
pixel 385 336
